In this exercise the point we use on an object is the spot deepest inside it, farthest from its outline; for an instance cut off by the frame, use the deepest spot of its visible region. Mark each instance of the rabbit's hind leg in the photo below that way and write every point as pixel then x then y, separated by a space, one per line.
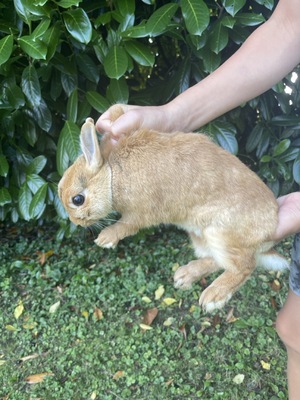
pixel 238 263
pixel 186 275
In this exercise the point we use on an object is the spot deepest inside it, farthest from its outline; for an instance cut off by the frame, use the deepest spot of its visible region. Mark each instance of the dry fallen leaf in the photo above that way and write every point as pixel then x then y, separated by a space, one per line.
pixel 265 365
pixel 230 316
pixel 10 328
pixel 150 316
pixel 275 285
pixel 168 383
pixel 19 310
pixel 30 325
pixel 168 301
pixel 146 299
pixel 98 314
pixel 169 321
pixel 33 356
pixel 54 307
pixel 93 396
pixel 192 308
pixel 42 257
pixel 145 327
pixel 159 292
pixel 175 267
pixel 37 378
pixel 183 331
pixel 239 379
pixel 118 375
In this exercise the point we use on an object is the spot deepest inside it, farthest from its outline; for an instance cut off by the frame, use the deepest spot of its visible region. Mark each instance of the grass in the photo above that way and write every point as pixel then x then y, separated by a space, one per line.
pixel 71 315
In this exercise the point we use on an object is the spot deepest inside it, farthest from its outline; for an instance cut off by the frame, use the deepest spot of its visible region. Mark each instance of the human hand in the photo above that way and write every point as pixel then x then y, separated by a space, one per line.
pixel 136 117
pixel 288 215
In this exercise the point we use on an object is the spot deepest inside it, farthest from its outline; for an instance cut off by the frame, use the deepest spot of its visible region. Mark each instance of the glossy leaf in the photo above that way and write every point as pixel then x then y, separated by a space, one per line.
pixel 218 38
pixel 117 91
pixel 78 25
pixel 263 144
pixel 4 168
pixel 31 85
pixel 43 116
pixel 15 96
pixel 196 15
pixel 281 147
pixel 61 212
pixel 140 53
pixel 233 6
pixel 116 62
pixel 224 133
pixel 88 67
pixel 34 48
pixel 41 28
pixel 72 106
pixel 296 169
pixel 51 37
pixel 70 133
pixel 5 197
pixel 25 198
pixel 69 83
pixel 211 60
pixel 125 7
pixel 6 48
pixel 254 138
pixel 38 205
pixel 137 31
pixel 286 120
pixel 159 20
pixel 250 19
pixel 34 182
pixel 68 3
pixel 21 7
pixel 182 76
pixel 37 165
pixel 62 158
pixel 98 102
pixel 269 4
pixel 289 155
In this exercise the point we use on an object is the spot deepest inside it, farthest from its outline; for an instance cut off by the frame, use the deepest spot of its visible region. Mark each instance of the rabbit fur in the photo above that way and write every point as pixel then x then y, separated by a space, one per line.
pixel 183 179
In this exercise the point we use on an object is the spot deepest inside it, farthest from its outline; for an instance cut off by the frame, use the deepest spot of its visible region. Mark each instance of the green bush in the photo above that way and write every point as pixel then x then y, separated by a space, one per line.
pixel 61 61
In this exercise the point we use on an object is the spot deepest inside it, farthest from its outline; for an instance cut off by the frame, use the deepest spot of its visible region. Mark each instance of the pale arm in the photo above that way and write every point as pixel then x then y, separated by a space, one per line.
pixel 268 55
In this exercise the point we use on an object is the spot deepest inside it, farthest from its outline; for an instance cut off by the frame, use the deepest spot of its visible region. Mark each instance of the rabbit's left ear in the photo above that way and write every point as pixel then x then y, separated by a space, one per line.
pixel 90 145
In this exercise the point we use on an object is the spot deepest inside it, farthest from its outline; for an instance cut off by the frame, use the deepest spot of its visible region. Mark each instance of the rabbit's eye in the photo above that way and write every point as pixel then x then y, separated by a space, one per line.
pixel 78 200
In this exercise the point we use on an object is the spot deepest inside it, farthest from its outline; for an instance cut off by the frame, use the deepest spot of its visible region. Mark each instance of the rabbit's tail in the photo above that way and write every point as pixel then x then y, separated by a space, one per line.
pixel 272 260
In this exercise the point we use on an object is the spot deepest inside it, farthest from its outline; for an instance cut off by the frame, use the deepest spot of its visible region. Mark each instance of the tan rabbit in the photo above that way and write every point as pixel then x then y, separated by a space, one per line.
pixel 182 179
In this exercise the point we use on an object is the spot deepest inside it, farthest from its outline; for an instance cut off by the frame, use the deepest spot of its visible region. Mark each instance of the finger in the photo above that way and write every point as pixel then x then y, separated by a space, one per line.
pixel 126 123
pixel 103 124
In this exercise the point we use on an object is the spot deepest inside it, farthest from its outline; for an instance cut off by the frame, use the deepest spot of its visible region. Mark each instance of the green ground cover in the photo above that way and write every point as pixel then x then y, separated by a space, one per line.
pixel 73 316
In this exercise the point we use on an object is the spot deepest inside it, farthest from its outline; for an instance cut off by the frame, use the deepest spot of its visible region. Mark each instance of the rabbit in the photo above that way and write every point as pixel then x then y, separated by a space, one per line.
pixel 184 179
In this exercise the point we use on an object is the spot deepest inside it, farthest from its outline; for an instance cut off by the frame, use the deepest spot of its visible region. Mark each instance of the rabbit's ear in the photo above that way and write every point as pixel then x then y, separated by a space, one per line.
pixel 90 145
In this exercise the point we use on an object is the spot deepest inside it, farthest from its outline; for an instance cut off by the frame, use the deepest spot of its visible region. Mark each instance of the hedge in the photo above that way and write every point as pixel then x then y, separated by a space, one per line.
pixel 62 61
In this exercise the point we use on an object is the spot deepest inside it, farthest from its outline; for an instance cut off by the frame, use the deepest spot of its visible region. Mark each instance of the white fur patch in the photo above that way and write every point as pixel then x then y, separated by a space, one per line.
pixel 214 305
pixel 273 262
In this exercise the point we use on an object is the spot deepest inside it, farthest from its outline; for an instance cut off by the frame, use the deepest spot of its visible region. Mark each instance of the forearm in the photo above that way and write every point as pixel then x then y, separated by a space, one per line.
pixel 268 55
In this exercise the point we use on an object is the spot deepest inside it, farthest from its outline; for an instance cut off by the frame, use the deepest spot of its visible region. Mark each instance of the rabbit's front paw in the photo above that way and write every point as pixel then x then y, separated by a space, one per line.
pixel 214 297
pixel 107 238
pixel 183 278
pixel 186 275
